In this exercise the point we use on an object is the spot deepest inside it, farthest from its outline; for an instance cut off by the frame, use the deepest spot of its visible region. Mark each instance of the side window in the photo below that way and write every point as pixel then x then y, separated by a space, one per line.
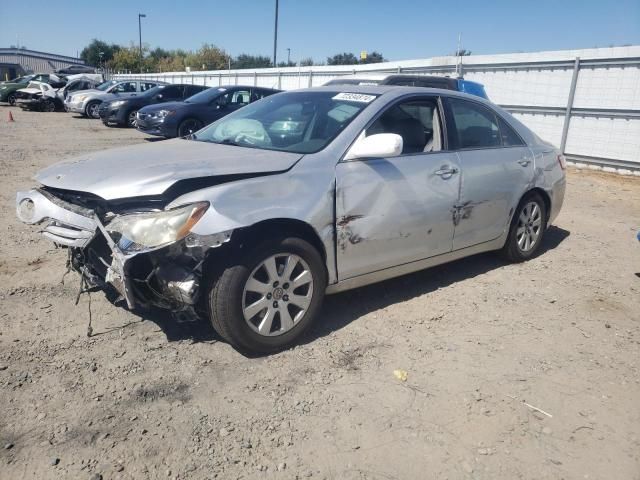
pixel 475 125
pixel 417 121
pixel 124 87
pixel 509 137
pixel 240 97
pixel 237 98
pixel 257 94
pixel 192 90
pixel 144 86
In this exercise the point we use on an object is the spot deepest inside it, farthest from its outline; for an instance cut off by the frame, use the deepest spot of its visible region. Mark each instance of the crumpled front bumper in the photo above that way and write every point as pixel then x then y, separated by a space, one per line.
pixel 168 277
pixel 75 107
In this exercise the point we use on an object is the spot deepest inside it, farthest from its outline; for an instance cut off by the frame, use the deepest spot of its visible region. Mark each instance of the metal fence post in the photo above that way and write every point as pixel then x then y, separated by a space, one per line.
pixel 279 80
pixel 567 113
pixel 255 79
pixel 310 78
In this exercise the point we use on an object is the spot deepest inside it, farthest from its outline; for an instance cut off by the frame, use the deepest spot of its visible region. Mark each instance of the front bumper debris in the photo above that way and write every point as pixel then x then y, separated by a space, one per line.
pixel 167 277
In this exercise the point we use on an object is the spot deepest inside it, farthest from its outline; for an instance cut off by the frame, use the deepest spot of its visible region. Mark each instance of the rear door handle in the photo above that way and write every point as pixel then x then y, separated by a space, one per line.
pixel 446 172
pixel 524 161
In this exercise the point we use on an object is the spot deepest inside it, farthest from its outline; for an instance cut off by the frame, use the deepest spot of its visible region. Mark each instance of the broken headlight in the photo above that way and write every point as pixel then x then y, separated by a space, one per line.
pixel 142 231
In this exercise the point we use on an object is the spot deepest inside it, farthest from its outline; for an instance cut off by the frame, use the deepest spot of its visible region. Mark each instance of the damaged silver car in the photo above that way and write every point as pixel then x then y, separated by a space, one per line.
pixel 251 220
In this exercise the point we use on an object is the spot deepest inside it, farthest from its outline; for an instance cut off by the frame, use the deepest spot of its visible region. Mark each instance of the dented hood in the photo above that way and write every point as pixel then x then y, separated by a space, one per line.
pixel 150 169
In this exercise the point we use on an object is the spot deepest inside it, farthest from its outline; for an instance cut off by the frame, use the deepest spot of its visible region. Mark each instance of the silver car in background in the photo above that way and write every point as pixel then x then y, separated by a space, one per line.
pixel 251 220
pixel 87 102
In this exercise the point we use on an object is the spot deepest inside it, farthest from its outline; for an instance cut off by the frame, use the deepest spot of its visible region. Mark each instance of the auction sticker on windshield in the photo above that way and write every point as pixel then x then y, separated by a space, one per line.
pixel 355 97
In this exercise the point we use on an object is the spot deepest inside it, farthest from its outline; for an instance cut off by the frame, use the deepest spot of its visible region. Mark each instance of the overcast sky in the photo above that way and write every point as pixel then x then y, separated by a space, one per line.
pixel 400 29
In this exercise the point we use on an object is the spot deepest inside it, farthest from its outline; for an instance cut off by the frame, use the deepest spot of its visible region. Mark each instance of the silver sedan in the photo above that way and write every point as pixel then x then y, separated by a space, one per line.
pixel 252 220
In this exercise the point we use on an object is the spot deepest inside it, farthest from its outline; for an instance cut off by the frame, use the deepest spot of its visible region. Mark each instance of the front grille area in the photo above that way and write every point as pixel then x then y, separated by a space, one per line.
pixel 68 235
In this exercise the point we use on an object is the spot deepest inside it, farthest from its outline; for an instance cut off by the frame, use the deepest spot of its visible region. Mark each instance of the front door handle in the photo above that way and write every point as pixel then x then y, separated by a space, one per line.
pixel 524 161
pixel 446 172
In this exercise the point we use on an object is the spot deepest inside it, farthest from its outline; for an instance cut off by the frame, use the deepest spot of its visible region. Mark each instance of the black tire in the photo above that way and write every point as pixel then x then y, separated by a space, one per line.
pixel 11 99
pixel 130 118
pixel 226 296
pixel 189 126
pixel 516 248
pixel 91 110
pixel 48 106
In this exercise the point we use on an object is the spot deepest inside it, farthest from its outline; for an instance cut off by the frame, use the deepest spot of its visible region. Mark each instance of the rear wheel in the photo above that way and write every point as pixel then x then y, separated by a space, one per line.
pixel 189 126
pixel 11 99
pixel 266 301
pixel 92 109
pixel 527 229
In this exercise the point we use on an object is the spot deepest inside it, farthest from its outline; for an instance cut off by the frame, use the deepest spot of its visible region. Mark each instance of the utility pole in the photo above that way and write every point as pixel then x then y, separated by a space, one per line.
pixel 140 16
pixel 288 57
pixel 275 36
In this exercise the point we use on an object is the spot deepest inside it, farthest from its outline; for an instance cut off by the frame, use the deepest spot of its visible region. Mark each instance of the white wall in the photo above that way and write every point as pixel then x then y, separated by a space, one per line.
pixel 514 79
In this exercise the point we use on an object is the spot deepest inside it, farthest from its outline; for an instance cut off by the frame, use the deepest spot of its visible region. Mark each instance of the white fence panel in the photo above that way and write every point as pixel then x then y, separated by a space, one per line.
pixel 603 126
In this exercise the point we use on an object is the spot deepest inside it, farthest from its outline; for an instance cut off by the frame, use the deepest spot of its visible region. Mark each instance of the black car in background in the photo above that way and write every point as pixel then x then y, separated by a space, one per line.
pixel 75 69
pixel 123 111
pixel 178 119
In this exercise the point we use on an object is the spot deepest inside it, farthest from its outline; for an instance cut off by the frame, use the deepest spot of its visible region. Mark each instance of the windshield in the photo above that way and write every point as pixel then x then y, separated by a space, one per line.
pixel 152 91
pixel 105 85
pixel 24 79
pixel 300 122
pixel 206 96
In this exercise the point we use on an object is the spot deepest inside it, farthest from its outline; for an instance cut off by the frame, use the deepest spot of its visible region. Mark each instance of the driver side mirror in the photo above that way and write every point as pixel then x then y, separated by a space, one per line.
pixel 159 96
pixel 380 145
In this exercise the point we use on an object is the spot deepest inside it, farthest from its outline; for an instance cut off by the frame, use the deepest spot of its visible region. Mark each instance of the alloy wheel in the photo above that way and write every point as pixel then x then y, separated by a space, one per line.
pixel 188 127
pixel 132 118
pixel 277 294
pixel 529 227
pixel 93 110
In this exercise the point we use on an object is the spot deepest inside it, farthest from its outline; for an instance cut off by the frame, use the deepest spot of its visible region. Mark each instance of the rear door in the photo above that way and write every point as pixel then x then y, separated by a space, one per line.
pixel 391 211
pixel 496 165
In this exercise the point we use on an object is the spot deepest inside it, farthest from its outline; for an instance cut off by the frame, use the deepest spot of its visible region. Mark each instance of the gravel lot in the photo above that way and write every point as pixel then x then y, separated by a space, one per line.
pixel 483 343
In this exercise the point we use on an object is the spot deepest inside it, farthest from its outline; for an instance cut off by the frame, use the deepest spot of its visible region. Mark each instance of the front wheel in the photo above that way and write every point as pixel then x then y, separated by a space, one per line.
pixel 132 118
pixel 92 110
pixel 266 301
pixel 49 106
pixel 527 229
pixel 11 99
pixel 189 126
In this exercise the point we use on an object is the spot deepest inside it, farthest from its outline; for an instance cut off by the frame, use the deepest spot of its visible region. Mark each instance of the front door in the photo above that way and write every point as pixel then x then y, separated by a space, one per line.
pixel 391 211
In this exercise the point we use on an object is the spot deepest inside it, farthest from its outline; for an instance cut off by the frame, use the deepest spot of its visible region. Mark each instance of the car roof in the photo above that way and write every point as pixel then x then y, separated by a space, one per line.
pixel 396 91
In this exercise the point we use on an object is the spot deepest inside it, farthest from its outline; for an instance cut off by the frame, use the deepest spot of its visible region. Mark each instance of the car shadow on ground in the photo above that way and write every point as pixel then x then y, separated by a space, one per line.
pixel 341 309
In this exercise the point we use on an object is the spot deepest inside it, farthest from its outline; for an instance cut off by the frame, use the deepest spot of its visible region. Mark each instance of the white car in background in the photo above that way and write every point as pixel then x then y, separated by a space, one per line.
pixel 88 102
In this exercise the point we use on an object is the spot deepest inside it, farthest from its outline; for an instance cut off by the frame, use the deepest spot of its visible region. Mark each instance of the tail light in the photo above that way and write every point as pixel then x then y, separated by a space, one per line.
pixel 562 161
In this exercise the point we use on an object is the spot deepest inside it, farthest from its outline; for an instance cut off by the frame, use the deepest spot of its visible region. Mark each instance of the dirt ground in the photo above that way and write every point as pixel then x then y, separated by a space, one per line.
pixel 514 371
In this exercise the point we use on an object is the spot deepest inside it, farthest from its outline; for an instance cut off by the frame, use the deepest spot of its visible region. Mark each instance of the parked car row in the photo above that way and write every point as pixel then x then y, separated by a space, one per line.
pixel 272 200
pixel 61 83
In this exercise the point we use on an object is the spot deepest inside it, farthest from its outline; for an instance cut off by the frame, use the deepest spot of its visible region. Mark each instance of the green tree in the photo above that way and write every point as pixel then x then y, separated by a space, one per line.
pixel 207 57
pixel 373 57
pixel 306 62
pixel 287 64
pixel 126 59
pixel 250 61
pixel 342 59
pixel 91 53
pixel 462 53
